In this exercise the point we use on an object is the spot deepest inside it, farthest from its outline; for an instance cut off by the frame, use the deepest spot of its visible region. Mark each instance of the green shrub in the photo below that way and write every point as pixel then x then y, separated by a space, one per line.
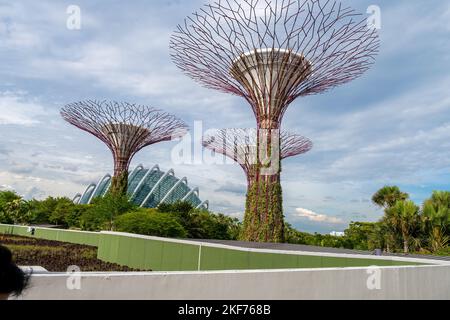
pixel 202 224
pixel 102 212
pixel 150 222
pixel 206 225
pixel 73 218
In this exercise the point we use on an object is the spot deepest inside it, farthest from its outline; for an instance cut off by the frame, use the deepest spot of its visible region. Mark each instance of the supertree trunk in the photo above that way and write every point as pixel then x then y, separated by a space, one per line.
pixel 119 182
pixel 264 218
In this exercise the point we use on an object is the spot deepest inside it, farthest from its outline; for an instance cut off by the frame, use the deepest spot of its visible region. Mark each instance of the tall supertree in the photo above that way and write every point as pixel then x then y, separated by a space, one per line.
pixel 270 52
pixel 240 145
pixel 125 128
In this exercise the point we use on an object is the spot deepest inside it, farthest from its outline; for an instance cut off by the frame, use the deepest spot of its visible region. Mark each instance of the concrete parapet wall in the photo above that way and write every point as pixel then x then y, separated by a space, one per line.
pixel 411 282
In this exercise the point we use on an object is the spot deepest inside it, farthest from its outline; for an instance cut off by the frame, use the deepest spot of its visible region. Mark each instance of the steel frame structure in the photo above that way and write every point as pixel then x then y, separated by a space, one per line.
pixel 271 52
pixel 125 128
pixel 92 191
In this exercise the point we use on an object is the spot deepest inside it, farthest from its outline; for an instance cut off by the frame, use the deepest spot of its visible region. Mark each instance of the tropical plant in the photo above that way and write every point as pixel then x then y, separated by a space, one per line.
pixel 388 196
pixel 436 220
pixel 404 217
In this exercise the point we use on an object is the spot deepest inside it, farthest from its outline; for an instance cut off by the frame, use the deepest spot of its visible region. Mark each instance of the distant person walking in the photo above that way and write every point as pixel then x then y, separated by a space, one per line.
pixel 12 279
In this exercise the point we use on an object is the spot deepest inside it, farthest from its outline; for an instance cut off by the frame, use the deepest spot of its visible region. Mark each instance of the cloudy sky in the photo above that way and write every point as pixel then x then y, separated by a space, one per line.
pixel 391 126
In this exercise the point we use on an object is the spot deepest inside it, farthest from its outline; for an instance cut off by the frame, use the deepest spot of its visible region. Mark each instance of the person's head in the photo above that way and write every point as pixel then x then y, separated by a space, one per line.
pixel 12 279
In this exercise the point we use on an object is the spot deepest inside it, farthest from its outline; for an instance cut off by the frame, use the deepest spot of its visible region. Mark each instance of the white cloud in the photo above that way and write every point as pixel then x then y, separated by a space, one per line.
pixel 316 217
pixel 239 215
pixel 16 110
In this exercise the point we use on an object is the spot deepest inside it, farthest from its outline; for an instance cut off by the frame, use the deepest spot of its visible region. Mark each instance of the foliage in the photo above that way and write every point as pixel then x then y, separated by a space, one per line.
pixel 17 210
pixel 6 197
pixel 150 222
pixel 73 218
pixel 294 236
pixel 404 218
pixel 103 211
pixel 202 224
pixel 388 196
pixel 119 184
pixel 264 219
pixel 359 234
pixel 436 220
pixel 404 227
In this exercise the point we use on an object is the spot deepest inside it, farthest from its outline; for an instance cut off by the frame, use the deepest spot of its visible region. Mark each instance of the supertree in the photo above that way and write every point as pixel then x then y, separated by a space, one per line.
pixel 125 128
pixel 270 52
pixel 240 145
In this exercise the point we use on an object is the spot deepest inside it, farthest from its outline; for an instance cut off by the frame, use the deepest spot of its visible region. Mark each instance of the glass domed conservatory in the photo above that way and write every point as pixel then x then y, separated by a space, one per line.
pixel 148 188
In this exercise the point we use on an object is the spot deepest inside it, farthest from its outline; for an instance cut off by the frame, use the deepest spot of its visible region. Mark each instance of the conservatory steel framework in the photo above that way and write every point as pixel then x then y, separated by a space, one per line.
pixel 148 188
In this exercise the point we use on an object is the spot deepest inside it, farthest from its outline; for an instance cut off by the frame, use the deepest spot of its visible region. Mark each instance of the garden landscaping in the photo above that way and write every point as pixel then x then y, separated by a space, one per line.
pixel 56 256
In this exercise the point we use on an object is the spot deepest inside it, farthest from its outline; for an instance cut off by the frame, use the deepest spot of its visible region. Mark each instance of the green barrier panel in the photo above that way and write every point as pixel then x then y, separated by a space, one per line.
pixel 46 234
pixel 14 230
pixel 148 254
pixel 69 236
pixel 108 248
pixel 153 255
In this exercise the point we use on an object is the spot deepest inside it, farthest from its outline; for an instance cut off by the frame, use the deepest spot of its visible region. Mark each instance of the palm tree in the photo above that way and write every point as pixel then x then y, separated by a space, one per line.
pixel 441 198
pixel 436 219
pixel 387 196
pixel 388 231
pixel 404 216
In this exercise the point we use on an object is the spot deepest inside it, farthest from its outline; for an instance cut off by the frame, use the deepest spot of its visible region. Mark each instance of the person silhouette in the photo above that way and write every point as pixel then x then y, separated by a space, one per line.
pixel 12 279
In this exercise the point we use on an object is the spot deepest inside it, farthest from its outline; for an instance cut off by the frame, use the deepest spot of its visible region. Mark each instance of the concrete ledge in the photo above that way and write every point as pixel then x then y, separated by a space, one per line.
pixel 400 283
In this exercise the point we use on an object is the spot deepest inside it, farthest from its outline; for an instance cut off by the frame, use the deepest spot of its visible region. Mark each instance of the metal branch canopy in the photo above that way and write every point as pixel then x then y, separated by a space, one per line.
pixel 240 145
pixel 271 52
pixel 125 128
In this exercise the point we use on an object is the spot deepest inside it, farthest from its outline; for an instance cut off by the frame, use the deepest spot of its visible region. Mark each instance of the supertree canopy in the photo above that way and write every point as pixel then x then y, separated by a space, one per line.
pixel 125 128
pixel 240 145
pixel 270 52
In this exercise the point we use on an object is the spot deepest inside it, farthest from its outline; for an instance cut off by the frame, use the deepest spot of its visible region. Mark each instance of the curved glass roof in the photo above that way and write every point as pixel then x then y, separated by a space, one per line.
pixel 148 188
